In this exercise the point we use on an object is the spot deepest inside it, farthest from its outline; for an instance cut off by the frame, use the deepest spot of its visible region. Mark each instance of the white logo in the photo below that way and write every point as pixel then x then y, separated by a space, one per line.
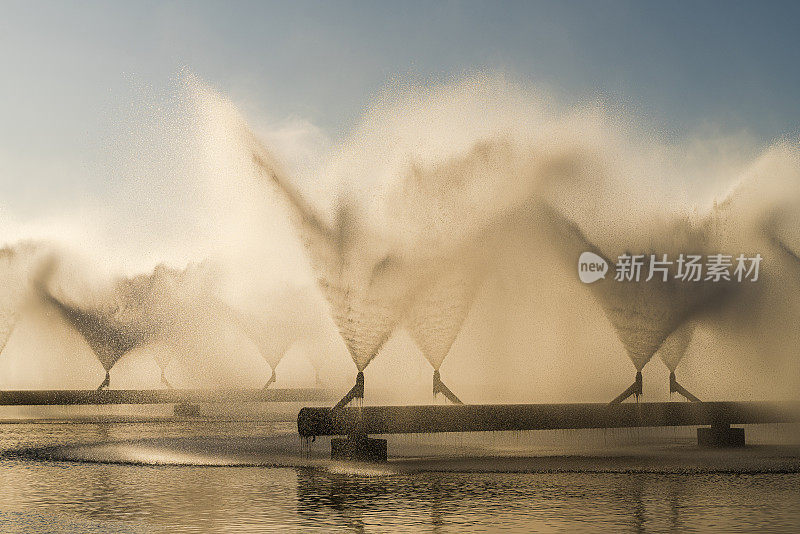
pixel 591 267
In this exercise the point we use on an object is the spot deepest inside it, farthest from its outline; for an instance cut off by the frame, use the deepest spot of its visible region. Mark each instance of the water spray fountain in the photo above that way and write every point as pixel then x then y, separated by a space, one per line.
pixel 439 388
pixel 161 306
pixel 17 265
pixel 9 301
pixel 272 341
pixel 436 317
pixel 644 316
pixel 643 313
pixel 108 338
pixel 770 229
pixel 672 352
pixel 368 290
pixel 136 311
pixel 365 297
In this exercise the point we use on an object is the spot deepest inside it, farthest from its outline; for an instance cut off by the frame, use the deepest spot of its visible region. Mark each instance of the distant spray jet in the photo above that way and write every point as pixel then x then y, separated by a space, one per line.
pixel 108 338
pixel 12 293
pixel 17 265
pixel 137 311
pixel 284 321
pixel 271 346
pixel 9 296
pixel 771 226
pixel 111 331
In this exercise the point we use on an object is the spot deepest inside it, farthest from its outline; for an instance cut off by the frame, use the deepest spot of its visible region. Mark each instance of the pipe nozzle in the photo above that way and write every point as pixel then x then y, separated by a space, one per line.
pixel 356 392
pixel 106 382
pixel 634 389
pixel 271 380
pixel 440 387
pixel 675 387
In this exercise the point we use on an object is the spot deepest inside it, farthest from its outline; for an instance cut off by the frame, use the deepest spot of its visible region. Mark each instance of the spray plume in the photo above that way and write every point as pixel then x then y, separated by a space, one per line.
pixel 285 320
pixel 18 265
pixel 127 313
pixel 431 176
pixel 431 173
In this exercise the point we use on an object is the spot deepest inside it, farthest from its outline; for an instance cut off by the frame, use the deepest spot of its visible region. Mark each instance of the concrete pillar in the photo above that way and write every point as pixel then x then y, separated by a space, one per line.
pixel 359 448
pixel 719 436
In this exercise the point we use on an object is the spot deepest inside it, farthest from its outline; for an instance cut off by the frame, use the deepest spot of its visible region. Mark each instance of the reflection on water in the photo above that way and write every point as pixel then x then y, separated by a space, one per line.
pixel 458 502
pixel 86 497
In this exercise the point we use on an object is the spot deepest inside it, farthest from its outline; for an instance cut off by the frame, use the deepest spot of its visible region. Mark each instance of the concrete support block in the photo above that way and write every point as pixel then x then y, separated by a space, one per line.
pixel 720 436
pixel 359 449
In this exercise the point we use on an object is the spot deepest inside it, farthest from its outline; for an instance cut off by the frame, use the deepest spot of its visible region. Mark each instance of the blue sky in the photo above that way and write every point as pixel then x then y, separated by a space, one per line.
pixel 68 67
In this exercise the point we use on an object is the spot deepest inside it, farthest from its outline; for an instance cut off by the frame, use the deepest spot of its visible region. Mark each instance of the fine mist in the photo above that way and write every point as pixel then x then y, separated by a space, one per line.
pixel 446 226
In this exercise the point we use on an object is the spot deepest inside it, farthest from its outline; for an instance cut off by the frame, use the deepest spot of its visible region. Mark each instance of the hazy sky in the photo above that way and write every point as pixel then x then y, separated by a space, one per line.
pixel 67 68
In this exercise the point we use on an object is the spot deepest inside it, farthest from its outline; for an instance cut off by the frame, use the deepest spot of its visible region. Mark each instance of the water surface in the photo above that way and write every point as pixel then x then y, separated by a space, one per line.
pixel 613 486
